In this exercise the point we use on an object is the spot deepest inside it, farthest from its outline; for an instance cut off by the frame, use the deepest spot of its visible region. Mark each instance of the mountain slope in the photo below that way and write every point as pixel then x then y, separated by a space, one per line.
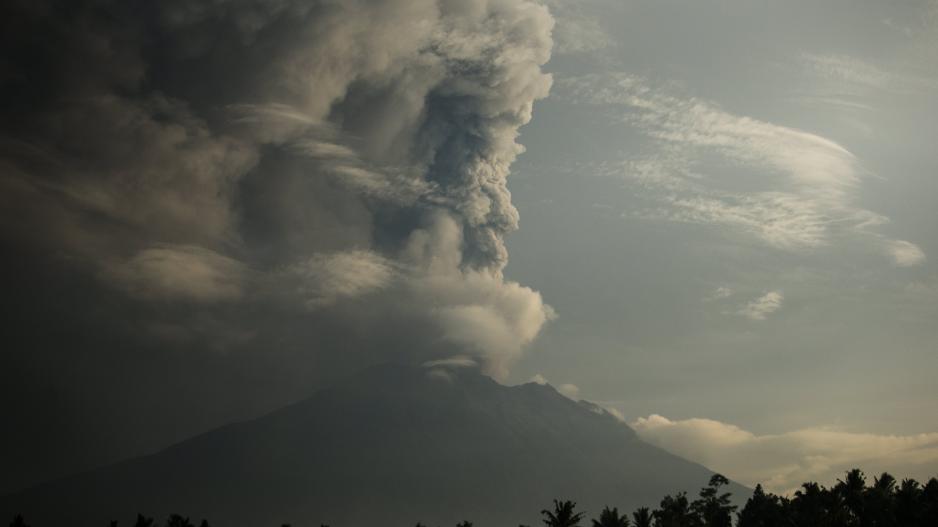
pixel 391 446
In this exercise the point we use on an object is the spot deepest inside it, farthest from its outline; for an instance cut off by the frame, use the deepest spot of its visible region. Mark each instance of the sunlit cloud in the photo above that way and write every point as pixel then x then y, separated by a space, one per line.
pixel 906 254
pixel 568 390
pixel 781 462
pixel 760 308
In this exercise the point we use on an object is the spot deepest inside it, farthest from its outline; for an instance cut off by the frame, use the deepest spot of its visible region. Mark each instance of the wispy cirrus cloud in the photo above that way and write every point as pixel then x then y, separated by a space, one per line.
pixel 576 31
pixel 849 75
pixel 848 69
pixel 789 188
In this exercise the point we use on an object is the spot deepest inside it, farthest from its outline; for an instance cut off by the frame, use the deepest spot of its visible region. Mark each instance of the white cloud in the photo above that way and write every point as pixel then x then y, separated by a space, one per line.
pixel 760 308
pixel 781 462
pixel 782 220
pixel 458 361
pixel 571 391
pixel 615 413
pixel 792 189
pixel 846 68
pixel 906 254
pixel 568 390
pixel 722 292
pixel 442 369
pixel 850 76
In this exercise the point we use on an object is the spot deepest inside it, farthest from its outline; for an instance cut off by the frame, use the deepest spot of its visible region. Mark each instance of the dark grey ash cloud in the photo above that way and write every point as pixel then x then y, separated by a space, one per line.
pixel 208 207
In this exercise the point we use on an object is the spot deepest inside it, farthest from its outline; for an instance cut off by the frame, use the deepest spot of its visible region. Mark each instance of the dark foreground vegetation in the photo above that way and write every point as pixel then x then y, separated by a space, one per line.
pixel 849 503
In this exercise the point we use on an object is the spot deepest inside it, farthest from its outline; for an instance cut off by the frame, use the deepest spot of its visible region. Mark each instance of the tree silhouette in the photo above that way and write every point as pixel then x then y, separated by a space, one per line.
pixel 929 503
pixel 879 503
pixel 563 515
pixel 814 506
pixel 714 509
pixel 851 491
pixel 763 510
pixel 610 518
pixel 676 511
pixel 849 503
pixel 907 503
pixel 176 520
pixel 642 517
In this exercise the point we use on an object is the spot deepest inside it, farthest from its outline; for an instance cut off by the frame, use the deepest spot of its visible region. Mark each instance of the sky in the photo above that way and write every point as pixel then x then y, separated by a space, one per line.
pixel 715 218
pixel 730 206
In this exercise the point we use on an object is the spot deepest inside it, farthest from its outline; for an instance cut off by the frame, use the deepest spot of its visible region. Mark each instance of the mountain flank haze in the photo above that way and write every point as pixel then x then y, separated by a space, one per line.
pixel 393 445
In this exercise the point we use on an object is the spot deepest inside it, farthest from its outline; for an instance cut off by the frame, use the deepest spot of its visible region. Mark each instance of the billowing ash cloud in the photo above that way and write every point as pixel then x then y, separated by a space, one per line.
pixel 205 151
pixel 270 174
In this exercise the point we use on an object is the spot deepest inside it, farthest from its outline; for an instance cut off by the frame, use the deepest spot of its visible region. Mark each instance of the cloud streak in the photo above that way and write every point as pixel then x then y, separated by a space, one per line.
pixel 800 189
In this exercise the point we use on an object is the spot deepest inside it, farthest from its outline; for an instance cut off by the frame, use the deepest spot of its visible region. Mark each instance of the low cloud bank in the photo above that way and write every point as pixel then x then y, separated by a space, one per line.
pixel 781 462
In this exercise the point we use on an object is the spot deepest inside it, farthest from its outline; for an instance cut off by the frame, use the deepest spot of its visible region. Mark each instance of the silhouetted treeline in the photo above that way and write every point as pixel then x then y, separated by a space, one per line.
pixel 849 503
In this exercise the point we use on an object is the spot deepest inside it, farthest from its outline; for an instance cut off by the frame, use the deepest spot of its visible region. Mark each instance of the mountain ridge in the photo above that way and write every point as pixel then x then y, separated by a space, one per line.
pixel 395 445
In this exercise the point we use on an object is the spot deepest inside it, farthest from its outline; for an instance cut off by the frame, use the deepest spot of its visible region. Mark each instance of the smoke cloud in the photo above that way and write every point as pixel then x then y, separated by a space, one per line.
pixel 266 178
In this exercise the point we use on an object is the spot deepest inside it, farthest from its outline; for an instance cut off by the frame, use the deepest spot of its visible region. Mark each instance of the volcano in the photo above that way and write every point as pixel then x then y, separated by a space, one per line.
pixel 391 446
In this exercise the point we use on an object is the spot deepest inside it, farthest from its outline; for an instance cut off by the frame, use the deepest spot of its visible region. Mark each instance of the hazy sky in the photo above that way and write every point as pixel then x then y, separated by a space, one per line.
pixel 731 206
pixel 727 224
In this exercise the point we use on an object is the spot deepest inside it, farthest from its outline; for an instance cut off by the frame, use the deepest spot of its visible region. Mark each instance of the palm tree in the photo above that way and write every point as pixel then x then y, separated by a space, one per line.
pixel 563 515
pixel 908 502
pixel 143 521
pixel 464 524
pixel 879 502
pixel 610 518
pixel 851 490
pixel 18 521
pixel 642 517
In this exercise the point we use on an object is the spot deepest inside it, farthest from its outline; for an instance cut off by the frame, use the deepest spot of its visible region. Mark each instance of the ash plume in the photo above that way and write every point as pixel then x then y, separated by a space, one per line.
pixel 283 185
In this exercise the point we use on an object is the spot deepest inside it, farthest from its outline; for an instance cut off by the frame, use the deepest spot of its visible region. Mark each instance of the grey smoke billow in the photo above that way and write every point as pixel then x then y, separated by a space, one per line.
pixel 260 181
